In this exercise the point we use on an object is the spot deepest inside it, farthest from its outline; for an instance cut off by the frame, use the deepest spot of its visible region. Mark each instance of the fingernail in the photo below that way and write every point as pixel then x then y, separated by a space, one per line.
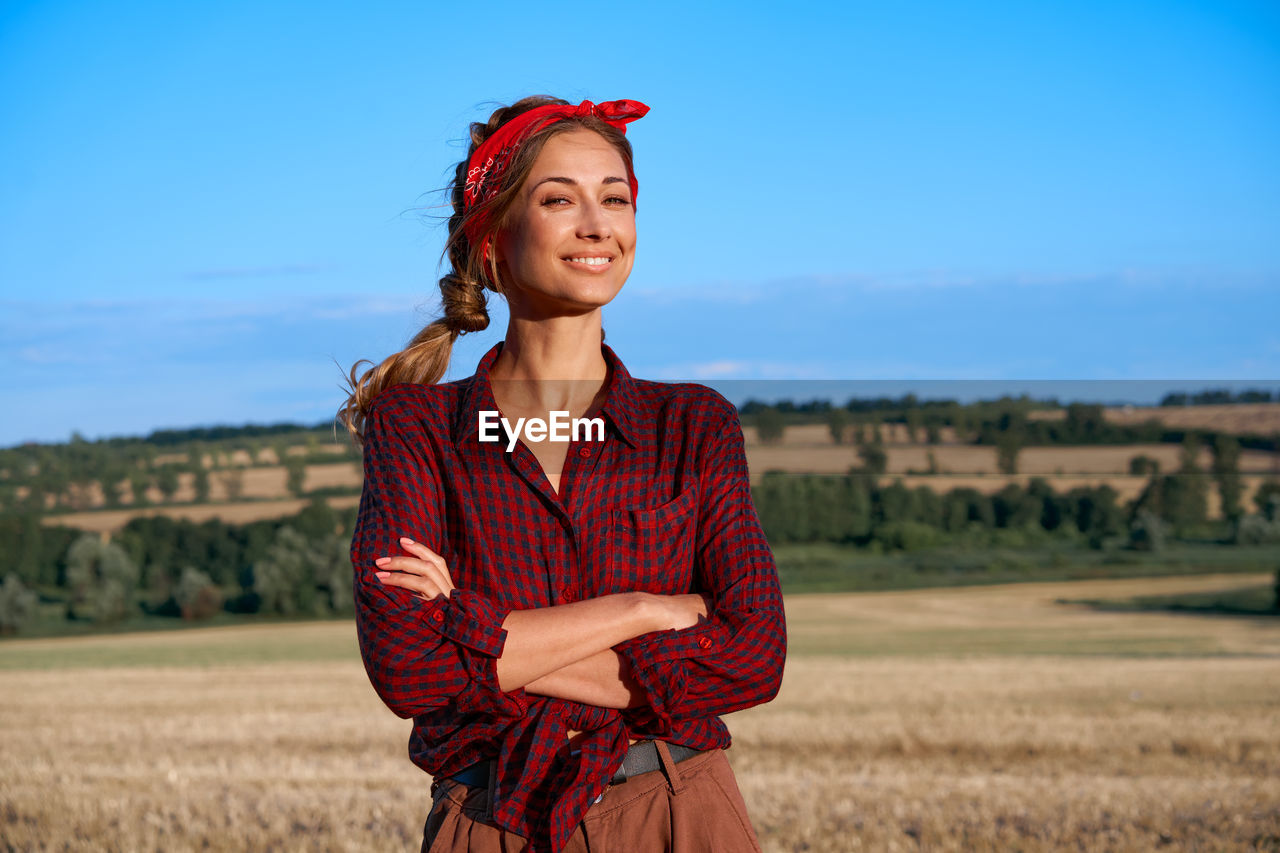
pixel 406 539
pixel 383 575
pixel 382 561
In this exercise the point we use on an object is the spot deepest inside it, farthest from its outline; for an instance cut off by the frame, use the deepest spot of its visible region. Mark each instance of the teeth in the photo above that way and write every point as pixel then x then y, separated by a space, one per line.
pixel 595 262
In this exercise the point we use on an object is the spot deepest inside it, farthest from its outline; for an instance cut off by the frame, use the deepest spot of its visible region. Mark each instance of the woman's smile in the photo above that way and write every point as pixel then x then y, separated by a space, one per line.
pixel 591 263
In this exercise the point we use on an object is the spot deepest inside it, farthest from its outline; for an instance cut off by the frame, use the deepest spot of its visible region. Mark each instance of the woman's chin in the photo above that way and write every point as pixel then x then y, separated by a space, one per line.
pixel 575 300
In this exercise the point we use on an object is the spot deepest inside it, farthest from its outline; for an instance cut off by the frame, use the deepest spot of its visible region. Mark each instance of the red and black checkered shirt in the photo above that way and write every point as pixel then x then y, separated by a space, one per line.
pixel 662 505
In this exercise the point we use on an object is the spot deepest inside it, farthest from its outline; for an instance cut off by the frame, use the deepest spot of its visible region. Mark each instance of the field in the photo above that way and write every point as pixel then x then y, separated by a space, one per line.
pixel 261 492
pixel 973 718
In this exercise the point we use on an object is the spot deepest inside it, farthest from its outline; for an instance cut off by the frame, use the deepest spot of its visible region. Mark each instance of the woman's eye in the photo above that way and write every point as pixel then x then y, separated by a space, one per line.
pixel 554 201
pixel 617 200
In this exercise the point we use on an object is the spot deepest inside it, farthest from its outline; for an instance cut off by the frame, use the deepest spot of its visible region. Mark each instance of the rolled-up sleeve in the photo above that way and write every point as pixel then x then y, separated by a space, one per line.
pixel 420 656
pixel 735 658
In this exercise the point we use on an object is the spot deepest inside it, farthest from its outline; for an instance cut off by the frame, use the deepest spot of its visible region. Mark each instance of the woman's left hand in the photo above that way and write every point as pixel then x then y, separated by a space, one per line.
pixel 425 573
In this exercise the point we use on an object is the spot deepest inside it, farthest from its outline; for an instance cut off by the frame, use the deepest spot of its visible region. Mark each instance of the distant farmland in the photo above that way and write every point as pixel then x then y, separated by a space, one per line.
pixel 263 493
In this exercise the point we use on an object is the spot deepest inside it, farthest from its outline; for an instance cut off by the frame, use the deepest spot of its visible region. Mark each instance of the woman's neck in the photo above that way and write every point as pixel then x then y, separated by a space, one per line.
pixel 551 365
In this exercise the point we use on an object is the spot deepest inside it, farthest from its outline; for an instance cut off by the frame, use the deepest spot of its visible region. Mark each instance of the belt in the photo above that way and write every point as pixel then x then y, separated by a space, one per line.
pixel 642 757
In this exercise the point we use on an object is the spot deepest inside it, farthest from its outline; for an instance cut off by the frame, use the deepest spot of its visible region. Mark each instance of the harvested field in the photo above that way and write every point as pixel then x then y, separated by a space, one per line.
pixel 110 520
pixel 334 474
pixel 1252 418
pixel 956 719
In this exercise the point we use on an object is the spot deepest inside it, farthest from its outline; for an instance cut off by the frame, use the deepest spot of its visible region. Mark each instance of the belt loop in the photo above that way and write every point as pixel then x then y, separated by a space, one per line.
pixel 669 768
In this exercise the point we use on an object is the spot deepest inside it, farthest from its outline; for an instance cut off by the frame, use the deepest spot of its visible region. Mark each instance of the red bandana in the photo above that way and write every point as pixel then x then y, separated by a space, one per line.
pixel 485 168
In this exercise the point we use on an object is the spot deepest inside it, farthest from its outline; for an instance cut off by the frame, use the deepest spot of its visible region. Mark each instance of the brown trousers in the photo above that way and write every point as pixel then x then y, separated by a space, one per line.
pixel 690 807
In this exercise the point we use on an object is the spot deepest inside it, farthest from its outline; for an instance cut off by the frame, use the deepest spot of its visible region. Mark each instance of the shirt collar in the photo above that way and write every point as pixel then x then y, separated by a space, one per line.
pixel 620 408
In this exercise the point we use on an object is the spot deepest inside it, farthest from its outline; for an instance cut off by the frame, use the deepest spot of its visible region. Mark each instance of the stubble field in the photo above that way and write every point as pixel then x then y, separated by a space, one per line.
pixel 979 718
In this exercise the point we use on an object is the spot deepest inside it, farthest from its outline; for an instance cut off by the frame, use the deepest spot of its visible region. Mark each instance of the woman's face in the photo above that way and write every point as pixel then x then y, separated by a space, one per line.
pixel 571 235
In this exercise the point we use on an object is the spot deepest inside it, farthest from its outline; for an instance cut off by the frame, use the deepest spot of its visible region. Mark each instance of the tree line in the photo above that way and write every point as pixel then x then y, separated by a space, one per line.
pixel 160 566
pixel 853 509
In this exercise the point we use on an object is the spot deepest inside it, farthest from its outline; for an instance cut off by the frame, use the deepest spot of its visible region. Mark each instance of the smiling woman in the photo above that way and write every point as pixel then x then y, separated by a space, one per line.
pixel 565 618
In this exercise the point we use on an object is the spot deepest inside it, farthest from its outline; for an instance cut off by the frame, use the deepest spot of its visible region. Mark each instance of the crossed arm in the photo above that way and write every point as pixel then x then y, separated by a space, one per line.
pixel 566 650
pixel 659 658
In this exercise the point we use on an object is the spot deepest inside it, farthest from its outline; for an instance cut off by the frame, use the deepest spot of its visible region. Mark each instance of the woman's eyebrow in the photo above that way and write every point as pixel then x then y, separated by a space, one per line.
pixel 572 182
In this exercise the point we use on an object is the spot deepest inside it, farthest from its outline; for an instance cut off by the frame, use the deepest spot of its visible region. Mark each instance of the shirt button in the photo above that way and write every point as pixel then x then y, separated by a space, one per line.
pixel 437 616
pixel 705 642
pixel 584 452
pixel 568 596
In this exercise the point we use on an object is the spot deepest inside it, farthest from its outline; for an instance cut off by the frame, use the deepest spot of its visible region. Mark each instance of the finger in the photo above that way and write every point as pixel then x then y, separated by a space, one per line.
pixel 413 567
pixel 421 551
pixel 425 588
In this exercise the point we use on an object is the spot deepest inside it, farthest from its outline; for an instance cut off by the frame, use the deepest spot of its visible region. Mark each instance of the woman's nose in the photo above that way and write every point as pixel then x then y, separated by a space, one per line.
pixel 594 222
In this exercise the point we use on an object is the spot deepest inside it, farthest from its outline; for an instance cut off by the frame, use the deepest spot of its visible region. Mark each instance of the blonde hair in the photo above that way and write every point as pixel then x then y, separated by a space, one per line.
pixel 426 357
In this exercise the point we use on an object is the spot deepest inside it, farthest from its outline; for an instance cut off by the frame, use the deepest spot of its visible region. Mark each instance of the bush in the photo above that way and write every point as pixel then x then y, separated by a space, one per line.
pixel 907 535
pixel 1148 532
pixel 1267 499
pixel 197 596
pixel 101 580
pixel 17 604
pixel 1257 530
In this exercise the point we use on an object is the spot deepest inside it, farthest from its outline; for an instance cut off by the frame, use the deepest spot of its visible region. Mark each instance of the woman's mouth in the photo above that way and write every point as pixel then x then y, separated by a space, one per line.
pixel 590 263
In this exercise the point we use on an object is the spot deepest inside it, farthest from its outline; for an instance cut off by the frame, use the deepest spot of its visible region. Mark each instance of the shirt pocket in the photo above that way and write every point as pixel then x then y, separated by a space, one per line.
pixel 651 548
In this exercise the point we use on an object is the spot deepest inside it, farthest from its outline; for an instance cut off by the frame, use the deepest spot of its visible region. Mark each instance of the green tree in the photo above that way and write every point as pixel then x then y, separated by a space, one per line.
pixel 302 575
pixel 874 459
pixel 1146 532
pixel 167 482
pixel 915 423
pixel 1226 473
pixel 284 578
pixel 115 484
pixel 17 604
pixel 295 474
pixel 1267 499
pixel 1143 466
pixel 336 584
pixel 197 596
pixel 200 479
pixel 101 580
pixel 1085 423
pixel 1007 447
pixel 837 423
pixel 770 425
pixel 139 484
pixel 233 483
pixel 1186 494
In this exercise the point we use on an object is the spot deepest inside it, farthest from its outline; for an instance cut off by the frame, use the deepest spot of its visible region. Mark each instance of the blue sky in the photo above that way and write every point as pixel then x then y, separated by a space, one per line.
pixel 207 207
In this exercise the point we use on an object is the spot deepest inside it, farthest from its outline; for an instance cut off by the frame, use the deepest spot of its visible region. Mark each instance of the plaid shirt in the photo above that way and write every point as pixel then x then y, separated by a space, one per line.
pixel 662 504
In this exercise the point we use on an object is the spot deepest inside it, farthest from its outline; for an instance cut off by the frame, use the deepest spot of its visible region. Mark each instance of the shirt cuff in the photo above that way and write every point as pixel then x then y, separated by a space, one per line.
pixel 652 660
pixel 474 622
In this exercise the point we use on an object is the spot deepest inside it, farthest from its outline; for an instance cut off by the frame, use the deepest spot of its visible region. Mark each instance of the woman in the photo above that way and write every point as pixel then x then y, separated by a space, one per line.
pixel 564 616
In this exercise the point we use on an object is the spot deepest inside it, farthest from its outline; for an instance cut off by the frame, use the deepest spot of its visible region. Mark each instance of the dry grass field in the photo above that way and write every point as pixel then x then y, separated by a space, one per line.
pixel 951 719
